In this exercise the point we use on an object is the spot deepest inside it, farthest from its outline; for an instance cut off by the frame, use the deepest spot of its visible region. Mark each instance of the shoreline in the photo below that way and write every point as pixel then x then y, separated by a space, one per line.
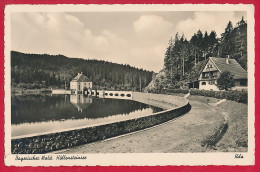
pixel 20 91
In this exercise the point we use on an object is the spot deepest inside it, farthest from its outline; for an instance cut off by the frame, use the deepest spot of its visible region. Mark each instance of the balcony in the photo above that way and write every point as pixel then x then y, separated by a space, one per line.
pixel 209 77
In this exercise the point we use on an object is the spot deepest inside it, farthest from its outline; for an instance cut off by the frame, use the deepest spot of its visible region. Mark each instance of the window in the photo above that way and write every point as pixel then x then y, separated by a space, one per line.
pixel 243 82
pixel 203 83
pixel 209 66
pixel 211 82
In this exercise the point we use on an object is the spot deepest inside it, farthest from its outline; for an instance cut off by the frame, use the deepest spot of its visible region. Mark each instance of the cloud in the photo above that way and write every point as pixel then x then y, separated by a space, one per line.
pixel 151 58
pixel 61 33
pixel 152 34
pixel 207 21
pixel 142 43
pixel 153 29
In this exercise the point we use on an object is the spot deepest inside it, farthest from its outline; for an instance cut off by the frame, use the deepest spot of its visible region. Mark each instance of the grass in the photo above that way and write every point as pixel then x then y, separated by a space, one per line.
pixel 177 94
pixel 236 137
pixel 204 99
pixel 202 123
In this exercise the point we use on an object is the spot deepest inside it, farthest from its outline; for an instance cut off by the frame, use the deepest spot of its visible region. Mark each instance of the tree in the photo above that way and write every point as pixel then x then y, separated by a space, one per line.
pixel 168 55
pixel 228 41
pixel 240 36
pixel 184 59
pixel 205 45
pixel 53 70
pixel 184 52
pixel 225 81
pixel 213 44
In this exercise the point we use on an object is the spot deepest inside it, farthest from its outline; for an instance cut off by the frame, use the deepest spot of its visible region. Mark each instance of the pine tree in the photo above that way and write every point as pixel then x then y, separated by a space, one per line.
pixel 213 44
pixel 183 57
pixel 228 41
pixel 168 61
pixel 205 44
pixel 241 43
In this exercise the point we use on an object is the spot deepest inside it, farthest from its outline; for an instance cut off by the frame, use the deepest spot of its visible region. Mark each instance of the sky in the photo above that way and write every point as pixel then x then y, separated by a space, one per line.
pixel 139 39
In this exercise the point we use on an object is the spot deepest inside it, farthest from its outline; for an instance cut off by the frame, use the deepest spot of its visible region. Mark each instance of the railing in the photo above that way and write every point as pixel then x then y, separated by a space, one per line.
pixel 209 77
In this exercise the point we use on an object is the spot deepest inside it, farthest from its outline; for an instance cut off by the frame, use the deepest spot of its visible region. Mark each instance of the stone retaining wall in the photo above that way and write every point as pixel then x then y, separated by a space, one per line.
pixel 67 139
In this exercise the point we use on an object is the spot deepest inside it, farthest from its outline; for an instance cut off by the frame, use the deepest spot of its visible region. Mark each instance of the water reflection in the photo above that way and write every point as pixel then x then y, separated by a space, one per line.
pixel 80 101
pixel 43 113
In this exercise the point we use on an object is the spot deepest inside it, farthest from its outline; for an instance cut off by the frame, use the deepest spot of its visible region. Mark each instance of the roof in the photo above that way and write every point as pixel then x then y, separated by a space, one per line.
pixel 80 78
pixel 233 67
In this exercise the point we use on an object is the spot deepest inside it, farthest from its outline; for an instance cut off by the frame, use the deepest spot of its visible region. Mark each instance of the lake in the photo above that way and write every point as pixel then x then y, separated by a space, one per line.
pixel 38 114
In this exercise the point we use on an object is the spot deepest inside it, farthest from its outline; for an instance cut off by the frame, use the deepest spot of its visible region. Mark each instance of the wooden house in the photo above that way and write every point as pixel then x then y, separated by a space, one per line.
pixel 215 66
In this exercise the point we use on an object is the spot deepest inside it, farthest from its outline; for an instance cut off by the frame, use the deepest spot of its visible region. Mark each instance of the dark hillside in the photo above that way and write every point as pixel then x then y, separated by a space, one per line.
pixel 43 70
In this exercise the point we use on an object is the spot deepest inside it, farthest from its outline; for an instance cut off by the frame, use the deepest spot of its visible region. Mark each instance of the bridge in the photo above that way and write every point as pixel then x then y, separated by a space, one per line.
pixel 98 93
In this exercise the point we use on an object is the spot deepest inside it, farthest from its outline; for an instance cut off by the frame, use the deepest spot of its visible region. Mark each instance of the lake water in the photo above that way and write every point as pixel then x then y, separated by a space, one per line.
pixel 38 114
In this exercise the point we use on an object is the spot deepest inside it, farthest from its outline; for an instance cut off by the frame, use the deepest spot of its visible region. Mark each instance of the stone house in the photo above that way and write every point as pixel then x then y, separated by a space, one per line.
pixel 79 83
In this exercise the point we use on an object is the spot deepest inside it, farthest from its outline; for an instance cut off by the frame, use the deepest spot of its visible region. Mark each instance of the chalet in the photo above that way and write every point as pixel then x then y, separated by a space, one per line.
pixel 79 83
pixel 208 77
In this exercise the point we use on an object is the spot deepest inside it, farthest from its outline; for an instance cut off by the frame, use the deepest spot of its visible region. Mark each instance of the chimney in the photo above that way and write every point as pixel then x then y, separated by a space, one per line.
pixel 227 59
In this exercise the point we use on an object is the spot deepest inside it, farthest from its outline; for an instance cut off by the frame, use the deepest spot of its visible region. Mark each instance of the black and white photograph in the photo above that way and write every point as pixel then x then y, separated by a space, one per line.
pixel 129 85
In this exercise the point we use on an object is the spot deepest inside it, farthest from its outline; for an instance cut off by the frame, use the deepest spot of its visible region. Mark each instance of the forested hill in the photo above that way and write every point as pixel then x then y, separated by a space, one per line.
pixel 43 70
pixel 184 59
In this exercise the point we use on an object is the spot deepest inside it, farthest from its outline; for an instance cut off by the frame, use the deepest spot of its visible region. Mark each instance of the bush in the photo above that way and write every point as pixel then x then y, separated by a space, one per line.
pixel 238 96
pixel 225 81
pixel 176 91
pixel 169 91
pixel 31 86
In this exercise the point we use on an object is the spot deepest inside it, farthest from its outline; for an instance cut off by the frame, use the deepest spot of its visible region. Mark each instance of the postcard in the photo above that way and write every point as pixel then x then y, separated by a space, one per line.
pixel 125 85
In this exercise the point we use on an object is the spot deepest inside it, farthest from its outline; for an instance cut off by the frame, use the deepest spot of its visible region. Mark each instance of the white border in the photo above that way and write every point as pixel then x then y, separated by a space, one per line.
pixel 152 159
